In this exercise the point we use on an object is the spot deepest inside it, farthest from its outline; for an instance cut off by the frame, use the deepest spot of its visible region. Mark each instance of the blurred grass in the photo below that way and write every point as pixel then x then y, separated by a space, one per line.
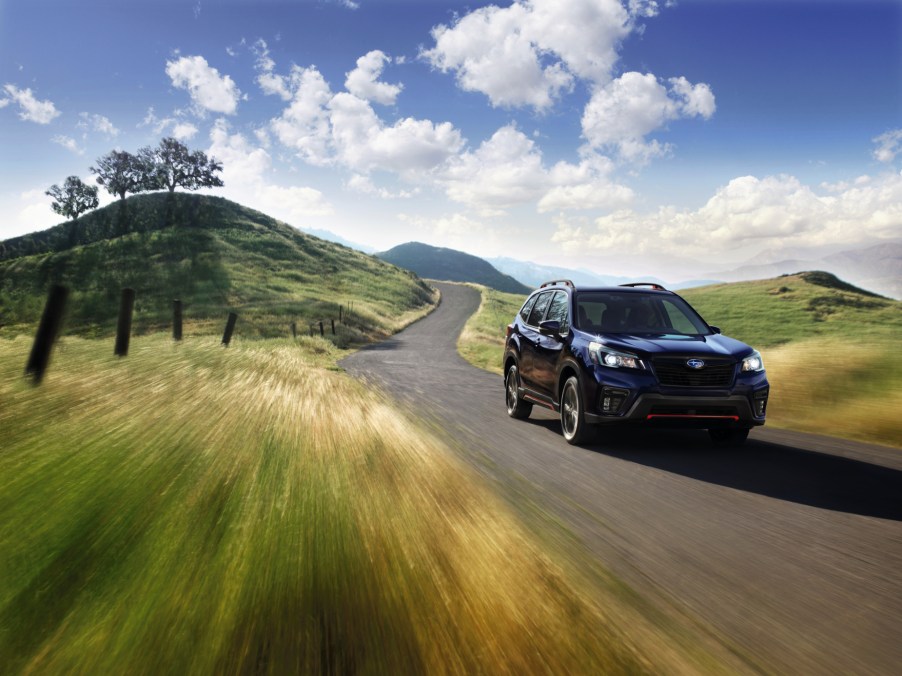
pixel 194 509
pixel 831 353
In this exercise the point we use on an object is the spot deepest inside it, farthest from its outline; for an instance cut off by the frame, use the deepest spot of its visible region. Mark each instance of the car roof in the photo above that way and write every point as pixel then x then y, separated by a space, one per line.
pixel 631 287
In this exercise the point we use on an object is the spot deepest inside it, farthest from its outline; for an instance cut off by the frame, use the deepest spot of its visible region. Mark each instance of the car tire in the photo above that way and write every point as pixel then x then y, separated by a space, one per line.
pixel 573 413
pixel 516 407
pixel 729 438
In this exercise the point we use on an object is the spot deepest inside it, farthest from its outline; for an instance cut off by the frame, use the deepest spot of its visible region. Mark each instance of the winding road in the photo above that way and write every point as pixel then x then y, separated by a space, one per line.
pixel 788 550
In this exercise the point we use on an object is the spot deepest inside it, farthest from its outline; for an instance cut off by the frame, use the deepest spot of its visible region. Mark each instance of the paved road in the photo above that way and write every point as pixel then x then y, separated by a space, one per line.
pixel 790 548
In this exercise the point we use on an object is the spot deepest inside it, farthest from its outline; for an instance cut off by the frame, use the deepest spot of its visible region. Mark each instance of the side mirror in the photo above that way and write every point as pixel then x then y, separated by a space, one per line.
pixel 550 327
pixel 715 329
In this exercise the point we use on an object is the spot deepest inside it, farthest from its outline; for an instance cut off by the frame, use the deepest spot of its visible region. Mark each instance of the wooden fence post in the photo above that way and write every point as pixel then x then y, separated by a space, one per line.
pixel 311 330
pixel 48 331
pixel 176 319
pixel 333 326
pixel 294 329
pixel 321 332
pixel 124 325
pixel 229 328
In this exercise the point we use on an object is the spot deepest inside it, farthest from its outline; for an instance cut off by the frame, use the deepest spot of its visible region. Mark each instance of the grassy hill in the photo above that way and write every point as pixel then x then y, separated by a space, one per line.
pixel 439 263
pixel 795 307
pixel 830 349
pixel 216 256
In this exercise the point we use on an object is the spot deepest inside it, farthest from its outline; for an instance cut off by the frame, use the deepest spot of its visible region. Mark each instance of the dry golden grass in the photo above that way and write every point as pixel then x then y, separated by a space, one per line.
pixel 194 509
pixel 837 386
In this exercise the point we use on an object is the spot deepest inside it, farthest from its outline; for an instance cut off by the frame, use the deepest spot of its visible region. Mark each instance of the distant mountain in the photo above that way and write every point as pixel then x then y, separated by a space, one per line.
pixel 876 268
pixel 534 274
pixel 432 262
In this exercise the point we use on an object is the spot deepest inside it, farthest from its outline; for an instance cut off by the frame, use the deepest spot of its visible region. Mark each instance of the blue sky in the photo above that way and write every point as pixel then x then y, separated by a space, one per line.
pixel 631 137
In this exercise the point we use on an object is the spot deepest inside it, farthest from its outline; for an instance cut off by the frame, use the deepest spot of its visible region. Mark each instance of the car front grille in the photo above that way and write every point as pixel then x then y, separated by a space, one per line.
pixel 674 372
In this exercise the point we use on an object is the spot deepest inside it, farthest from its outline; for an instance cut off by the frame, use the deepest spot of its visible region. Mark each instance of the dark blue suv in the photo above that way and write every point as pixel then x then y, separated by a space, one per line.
pixel 635 353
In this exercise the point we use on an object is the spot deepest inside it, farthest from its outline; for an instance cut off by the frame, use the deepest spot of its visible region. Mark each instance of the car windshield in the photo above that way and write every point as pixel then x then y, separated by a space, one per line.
pixel 637 313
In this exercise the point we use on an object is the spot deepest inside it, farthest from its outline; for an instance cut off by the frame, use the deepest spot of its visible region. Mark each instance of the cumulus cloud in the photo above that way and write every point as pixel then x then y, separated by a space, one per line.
pixel 889 145
pixel 304 125
pixel 245 174
pixel 622 113
pixel 363 82
pixel 747 215
pixel 508 170
pixel 97 123
pixel 209 90
pixel 528 53
pixel 31 109
pixel 68 143
pixel 363 142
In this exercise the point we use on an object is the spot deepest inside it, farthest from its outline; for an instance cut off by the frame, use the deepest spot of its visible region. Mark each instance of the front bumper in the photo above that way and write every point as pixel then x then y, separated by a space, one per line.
pixel 742 405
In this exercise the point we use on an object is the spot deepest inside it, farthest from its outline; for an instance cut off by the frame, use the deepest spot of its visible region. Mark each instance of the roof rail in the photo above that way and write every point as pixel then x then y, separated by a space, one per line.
pixel 656 287
pixel 553 282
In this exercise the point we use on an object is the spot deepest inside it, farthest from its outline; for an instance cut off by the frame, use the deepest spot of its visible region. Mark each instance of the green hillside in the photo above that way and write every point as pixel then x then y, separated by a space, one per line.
pixel 216 256
pixel 433 262
pixel 805 305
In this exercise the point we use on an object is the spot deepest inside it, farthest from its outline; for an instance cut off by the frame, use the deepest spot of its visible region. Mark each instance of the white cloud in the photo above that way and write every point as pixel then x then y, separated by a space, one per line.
pixel 267 79
pixel 245 174
pixel 208 89
pixel 889 145
pixel 184 131
pixel 529 52
pixel 69 144
pixel 97 123
pixel 30 108
pixel 410 146
pixel 621 114
pixel 504 171
pixel 304 125
pixel 748 215
pixel 508 170
pixel 363 82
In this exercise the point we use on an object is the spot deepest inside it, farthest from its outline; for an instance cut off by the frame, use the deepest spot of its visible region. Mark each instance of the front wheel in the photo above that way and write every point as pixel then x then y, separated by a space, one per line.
pixel 573 415
pixel 729 437
pixel 516 407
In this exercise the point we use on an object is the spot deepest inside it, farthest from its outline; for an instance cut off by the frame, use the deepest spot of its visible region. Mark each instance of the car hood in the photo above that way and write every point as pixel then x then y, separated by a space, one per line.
pixel 715 345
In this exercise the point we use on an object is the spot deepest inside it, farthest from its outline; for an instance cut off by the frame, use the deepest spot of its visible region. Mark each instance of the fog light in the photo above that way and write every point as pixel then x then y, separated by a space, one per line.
pixel 759 399
pixel 612 400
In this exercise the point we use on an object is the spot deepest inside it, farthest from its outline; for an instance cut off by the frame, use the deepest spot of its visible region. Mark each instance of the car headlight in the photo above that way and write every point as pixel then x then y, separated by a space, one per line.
pixel 605 356
pixel 753 363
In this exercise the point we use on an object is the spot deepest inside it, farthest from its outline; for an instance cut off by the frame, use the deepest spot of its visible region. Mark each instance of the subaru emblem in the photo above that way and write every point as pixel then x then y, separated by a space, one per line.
pixel 695 363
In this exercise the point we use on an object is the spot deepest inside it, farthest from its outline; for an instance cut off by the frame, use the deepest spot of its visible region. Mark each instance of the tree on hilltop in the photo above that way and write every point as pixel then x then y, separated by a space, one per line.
pixel 121 172
pixel 74 198
pixel 172 165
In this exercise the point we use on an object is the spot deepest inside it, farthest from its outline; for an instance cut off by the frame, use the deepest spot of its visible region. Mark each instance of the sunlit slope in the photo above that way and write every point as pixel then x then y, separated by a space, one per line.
pixel 192 509
pixel 771 312
pixel 831 351
pixel 215 256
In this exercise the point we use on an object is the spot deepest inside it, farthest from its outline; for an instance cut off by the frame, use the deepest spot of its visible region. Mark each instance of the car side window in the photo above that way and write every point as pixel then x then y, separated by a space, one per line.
pixel 527 306
pixel 558 310
pixel 538 310
pixel 678 319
